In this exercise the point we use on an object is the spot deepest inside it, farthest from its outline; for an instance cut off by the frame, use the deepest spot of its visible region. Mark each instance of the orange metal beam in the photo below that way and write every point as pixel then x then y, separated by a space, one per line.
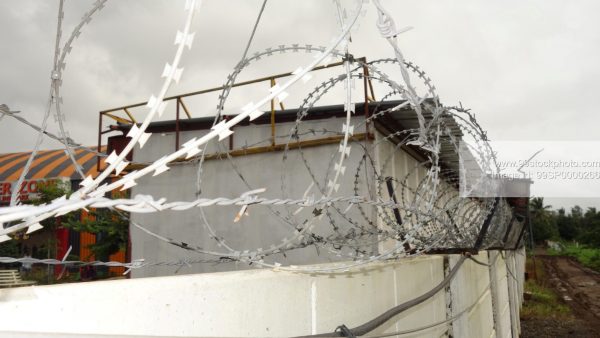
pixel 204 91
pixel 266 149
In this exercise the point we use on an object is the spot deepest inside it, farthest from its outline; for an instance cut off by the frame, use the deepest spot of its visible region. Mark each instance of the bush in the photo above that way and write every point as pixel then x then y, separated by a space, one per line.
pixel 588 256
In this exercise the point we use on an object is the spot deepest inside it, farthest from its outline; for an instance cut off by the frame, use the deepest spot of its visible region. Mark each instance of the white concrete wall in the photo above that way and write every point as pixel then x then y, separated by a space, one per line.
pixel 392 161
pixel 515 268
pixel 261 228
pixel 472 286
pixel 258 303
pixel 282 178
pixel 264 303
pixel 500 293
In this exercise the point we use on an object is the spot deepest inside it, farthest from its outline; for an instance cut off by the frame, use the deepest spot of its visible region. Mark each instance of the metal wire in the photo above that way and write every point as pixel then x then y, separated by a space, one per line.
pixel 432 214
pixel 436 324
pixel 54 78
pixel 54 96
pixel 71 143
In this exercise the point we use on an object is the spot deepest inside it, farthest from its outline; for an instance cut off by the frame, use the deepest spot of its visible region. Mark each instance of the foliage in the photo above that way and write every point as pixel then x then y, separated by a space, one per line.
pixel 566 228
pixel 47 191
pixel 544 302
pixel 589 232
pixel 543 221
pixel 588 256
pixel 46 194
pixel 9 249
pixel 51 191
pixel 578 225
pixel 112 230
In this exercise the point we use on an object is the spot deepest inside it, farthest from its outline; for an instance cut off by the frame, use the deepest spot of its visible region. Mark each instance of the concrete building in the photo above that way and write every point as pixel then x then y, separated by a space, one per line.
pixel 261 154
pixel 482 299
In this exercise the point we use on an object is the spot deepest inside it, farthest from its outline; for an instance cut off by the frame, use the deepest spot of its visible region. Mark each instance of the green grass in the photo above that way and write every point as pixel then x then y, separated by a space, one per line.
pixel 587 256
pixel 544 302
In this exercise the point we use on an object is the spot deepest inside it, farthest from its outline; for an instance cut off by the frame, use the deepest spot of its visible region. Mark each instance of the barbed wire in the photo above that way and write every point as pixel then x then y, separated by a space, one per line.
pixel 71 143
pixel 399 212
pixel 55 99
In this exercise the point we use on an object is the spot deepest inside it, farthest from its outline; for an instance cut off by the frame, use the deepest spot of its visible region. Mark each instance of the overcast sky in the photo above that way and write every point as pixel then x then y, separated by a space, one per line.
pixel 528 69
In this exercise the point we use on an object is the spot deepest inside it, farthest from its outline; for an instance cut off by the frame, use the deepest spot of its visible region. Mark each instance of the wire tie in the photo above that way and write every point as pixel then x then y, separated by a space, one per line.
pixel 345 331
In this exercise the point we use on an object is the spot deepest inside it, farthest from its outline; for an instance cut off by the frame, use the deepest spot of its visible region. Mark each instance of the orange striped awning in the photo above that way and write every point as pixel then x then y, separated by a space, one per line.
pixel 48 164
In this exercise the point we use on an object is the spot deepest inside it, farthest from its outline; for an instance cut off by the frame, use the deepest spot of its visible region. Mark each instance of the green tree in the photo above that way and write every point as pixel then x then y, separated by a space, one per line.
pixel 47 191
pixel 576 216
pixel 111 229
pixel 567 228
pixel 590 228
pixel 9 249
pixel 543 221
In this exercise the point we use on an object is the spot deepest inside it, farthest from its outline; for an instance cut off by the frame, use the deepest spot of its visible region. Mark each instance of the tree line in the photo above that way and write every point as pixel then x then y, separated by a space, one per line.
pixel 574 225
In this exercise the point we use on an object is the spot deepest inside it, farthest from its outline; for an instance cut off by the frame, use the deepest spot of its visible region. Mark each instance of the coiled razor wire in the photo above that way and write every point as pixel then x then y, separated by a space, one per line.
pixel 4 111
pixel 296 48
pixel 55 99
pixel 432 213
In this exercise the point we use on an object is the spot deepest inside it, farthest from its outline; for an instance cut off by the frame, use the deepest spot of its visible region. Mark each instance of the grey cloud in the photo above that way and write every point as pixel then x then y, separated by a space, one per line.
pixel 527 68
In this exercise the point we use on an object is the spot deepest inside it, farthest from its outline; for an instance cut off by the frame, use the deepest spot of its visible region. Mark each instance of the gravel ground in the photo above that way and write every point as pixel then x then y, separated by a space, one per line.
pixel 579 288
pixel 550 327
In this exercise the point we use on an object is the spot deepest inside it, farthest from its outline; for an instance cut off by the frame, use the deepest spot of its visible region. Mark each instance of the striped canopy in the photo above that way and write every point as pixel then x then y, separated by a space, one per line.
pixel 48 164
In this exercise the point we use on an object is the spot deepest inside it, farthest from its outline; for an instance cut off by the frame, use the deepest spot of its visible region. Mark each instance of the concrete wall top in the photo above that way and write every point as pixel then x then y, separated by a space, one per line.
pixel 254 303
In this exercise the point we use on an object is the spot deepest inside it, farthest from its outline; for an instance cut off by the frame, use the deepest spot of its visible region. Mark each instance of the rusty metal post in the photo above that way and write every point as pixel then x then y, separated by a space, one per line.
pixel 273 115
pixel 370 84
pixel 177 125
pixel 508 229
pixel 367 114
pixel 185 108
pixel 366 106
pixel 99 141
pixel 485 227
pixel 227 118
pixel 390 188
pixel 130 115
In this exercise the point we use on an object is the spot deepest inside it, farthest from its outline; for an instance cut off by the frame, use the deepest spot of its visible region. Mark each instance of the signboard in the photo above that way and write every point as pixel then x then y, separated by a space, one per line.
pixel 28 189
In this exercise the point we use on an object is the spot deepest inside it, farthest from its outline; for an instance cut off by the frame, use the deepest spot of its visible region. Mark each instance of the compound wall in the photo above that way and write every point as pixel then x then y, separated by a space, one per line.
pixel 266 303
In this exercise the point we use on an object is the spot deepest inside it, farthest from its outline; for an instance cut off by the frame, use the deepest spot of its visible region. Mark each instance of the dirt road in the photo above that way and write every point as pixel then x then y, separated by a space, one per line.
pixel 578 286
